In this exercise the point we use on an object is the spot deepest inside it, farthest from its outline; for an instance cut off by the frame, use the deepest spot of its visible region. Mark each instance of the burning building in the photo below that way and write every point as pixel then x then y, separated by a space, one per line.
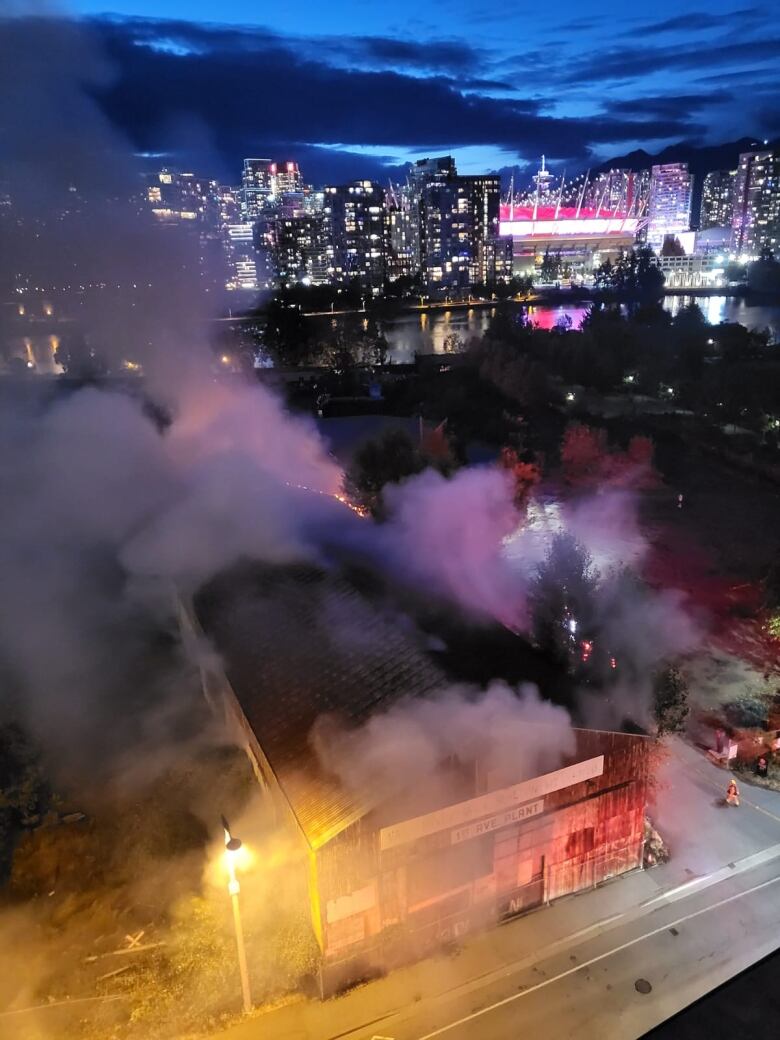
pixel 393 877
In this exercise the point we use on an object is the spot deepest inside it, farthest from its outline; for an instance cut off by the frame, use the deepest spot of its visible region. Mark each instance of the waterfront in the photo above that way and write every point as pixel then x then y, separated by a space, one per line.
pixel 443 331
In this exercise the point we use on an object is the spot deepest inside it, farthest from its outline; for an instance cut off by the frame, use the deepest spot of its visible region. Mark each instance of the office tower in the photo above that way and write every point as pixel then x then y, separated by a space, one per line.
pixel 717 199
pixel 355 222
pixel 756 216
pixel 669 210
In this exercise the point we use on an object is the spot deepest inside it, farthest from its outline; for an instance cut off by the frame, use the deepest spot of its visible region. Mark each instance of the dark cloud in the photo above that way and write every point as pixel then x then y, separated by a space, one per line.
pixel 632 63
pixel 246 94
pixel 696 21
pixel 451 56
pixel 745 76
pixel 666 106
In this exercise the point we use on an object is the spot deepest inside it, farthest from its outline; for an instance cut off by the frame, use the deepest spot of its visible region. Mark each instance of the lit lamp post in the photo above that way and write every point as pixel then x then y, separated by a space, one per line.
pixel 232 845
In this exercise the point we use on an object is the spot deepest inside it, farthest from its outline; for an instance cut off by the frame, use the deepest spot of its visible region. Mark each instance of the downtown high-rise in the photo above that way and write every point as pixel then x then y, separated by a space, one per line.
pixel 669 208
pixel 717 199
pixel 264 182
pixel 355 227
pixel 458 217
pixel 756 216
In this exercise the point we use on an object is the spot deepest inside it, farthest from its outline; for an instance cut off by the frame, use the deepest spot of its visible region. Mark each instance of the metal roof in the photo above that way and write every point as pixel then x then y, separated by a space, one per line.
pixel 299 642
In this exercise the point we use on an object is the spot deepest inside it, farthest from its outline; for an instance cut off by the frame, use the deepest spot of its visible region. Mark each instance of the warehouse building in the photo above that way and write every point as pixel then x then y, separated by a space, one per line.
pixel 390 881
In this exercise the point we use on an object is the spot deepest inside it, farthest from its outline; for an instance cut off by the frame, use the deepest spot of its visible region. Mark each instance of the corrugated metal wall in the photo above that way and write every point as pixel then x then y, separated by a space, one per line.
pixel 435 890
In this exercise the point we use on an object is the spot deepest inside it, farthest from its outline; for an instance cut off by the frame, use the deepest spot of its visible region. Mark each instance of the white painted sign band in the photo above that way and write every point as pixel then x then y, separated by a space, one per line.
pixel 487 804
pixel 494 823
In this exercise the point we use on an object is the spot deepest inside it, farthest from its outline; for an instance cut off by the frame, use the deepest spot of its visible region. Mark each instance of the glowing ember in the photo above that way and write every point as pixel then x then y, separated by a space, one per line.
pixel 358 510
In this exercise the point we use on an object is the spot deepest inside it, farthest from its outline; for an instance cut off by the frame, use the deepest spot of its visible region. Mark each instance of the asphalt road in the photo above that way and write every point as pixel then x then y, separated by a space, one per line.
pixel 619 983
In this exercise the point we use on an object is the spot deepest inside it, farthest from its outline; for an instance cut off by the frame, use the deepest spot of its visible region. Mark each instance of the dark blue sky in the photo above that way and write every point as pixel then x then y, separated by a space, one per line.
pixel 347 86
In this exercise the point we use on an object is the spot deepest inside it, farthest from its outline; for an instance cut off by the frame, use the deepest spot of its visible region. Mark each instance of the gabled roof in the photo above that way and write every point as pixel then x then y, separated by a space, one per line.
pixel 299 642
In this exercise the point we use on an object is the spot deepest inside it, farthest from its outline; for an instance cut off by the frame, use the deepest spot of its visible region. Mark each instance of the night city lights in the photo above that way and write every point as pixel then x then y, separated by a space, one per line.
pixel 390 527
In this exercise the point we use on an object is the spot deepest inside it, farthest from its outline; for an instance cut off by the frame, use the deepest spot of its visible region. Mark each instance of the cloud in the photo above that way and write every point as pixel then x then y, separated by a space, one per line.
pixel 632 63
pixel 697 21
pixel 665 105
pixel 224 83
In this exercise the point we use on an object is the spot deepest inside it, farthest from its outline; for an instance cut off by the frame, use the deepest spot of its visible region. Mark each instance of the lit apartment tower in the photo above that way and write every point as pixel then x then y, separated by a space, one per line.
pixel 300 248
pixel 669 209
pixel 229 204
pixel 287 178
pixel 182 198
pixel 257 183
pixel 403 232
pixel 756 217
pixel 717 199
pixel 265 181
pixel 458 221
pixel 355 223
pixel 241 258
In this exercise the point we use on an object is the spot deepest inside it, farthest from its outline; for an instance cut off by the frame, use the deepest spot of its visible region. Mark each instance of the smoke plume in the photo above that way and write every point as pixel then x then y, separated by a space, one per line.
pixel 410 749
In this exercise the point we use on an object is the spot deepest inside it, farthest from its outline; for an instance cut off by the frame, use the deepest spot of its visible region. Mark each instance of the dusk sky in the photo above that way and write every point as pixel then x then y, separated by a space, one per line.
pixel 348 87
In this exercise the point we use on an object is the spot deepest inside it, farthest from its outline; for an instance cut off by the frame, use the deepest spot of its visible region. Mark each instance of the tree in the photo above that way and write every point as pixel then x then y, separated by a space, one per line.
pixel 550 270
pixel 670 701
pixel 672 246
pixel 583 452
pixel 78 358
pixel 635 276
pixel 604 276
pixel 764 274
pixel 387 460
pixel 525 475
pixel 288 333
pixel 562 600
pixel 771 584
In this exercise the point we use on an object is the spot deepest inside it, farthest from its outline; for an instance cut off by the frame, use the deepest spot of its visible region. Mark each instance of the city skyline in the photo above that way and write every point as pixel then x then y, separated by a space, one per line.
pixel 581 86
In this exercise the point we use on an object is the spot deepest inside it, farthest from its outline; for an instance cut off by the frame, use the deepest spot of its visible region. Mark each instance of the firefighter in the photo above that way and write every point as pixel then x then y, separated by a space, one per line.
pixel 732 793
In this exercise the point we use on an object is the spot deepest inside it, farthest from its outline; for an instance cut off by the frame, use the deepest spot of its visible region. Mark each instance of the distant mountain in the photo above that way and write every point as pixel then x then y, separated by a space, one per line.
pixel 700 158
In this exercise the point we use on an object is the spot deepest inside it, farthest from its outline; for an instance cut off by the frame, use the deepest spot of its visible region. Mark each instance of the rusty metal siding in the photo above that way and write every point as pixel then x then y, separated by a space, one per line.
pixel 587 833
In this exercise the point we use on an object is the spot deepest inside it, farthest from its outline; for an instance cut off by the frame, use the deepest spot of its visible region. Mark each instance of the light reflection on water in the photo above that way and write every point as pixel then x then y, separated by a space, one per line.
pixel 439 332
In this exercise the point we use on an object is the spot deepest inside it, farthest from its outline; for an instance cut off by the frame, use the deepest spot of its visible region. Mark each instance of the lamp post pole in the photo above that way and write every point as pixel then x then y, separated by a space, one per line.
pixel 232 845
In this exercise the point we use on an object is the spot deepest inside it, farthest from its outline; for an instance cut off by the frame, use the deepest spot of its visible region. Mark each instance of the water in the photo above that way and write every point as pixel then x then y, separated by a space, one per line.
pixel 439 332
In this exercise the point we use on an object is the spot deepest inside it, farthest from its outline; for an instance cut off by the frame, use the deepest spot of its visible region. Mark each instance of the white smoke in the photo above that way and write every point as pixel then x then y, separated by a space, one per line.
pixel 411 748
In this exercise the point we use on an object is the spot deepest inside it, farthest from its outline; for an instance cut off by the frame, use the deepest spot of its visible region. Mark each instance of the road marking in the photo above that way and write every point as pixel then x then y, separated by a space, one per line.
pixel 594 960
pixel 704 881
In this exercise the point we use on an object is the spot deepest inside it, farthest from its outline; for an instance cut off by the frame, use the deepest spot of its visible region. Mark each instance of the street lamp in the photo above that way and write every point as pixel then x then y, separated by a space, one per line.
pixel 232 845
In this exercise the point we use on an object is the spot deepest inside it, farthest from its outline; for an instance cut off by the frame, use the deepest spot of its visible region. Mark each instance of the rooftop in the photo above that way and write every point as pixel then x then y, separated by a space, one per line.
pixel 299 642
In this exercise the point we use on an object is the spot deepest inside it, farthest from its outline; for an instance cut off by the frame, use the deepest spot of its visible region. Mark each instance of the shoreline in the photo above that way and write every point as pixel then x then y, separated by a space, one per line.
pixel 387 309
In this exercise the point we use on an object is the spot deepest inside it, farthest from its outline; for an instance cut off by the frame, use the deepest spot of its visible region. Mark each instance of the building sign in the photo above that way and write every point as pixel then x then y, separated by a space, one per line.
pixel 455 816
pixel 494 823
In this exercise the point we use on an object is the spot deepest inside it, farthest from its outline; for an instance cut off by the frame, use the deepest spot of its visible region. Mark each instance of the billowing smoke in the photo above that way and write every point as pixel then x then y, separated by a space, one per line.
pixel 98 497
pixel 411 748
pixel 78 234
pixel 448 535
